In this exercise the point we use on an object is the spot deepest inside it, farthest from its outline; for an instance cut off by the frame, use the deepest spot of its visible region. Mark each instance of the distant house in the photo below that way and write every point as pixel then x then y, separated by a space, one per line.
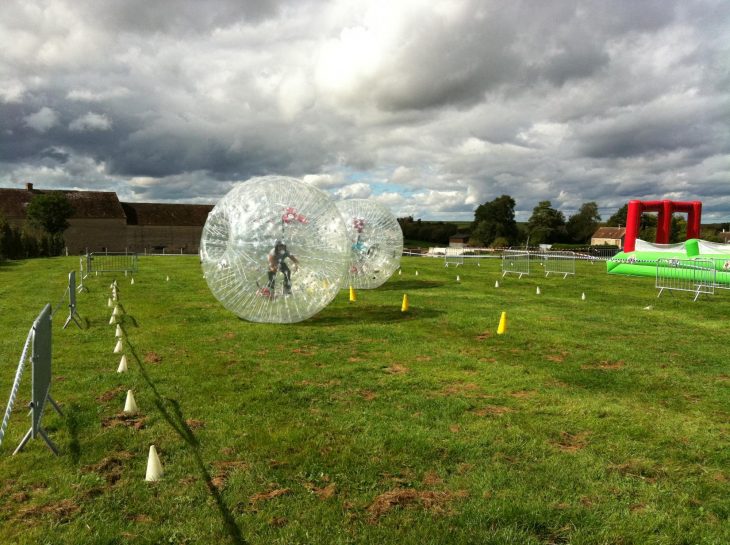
pixel 612 236
pixel 101 222
pixel 458 240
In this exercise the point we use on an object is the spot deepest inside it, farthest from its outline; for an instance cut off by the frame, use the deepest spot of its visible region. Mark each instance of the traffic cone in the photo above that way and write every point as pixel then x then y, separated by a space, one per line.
pixel 116 311
pixel 122 365
pixel 537 291
pixel 583 296
pixel 154 467
pixel 130 405
pixel 502 324
pixel 353 297
pixel 112 320
pixel 404 306
pixel 118 347
pixel 109 302
pixel 118 333
pixel 496 283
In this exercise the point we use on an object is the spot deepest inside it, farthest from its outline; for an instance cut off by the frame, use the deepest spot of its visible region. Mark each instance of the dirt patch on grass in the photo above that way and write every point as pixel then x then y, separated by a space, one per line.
pixel 324 492
pixel 135 421
pixel 223 469
pixel 638 469
pixel 152 357
pixel 110 394
pixel 304 351
pixel 423 358
pixel 605 365
pixel 460 388
pixel 492 410
pixel 397 369
pixel 355 359
pixel 229 335
pixel 454 428
pixel 523 394
pixel 723 378
pixel 368 395
pixel 111 467
pixel 557 358
pixel 61 511
pixel 270 495
pixel 484 336
pixel 431 478
pixel 194 424
pixel 571 442
pixel 432 501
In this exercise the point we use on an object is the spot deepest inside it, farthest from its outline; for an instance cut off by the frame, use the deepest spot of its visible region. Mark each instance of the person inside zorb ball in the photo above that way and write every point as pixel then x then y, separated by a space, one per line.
pixel 376 242
pixel 274 250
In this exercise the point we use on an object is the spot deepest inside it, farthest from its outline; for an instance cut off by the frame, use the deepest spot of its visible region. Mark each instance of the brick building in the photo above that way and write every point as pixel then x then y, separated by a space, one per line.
pixel 101 222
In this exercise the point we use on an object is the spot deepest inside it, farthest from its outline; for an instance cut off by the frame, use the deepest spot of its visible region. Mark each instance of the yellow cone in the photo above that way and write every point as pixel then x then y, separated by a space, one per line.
pixel 404 306
pixel 353 297
pixel 502 324
pixel 154 467
pixel 130 405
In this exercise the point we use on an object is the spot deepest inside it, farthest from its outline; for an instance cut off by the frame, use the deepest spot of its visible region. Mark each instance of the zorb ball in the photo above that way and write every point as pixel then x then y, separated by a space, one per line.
pixel 375 241
pixel 274 250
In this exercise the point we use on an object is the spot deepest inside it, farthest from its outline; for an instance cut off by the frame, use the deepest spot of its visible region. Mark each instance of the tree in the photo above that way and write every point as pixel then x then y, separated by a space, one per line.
pixel 619 218
pixel 495 219
pixel 50 212
pixel 546 224
pixel 581 226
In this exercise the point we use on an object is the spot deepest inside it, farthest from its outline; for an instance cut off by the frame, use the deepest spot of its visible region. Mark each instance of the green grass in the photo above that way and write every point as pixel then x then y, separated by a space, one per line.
pixel 588 422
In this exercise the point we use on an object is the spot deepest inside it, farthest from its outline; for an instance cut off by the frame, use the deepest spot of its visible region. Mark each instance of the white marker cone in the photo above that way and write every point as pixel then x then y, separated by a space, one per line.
pixel 109 302
pixel 132 281
pixel 154 467
pixel 167 279
pixel 496 283
pixel 399 271
pixel 583 296
pixel 130 405
pixel 537 291
pixel 416 273
pixel 112 320
pixel 116 311
pixel 122 365
pixel 118 333
pixel 457 278
pixel 118 347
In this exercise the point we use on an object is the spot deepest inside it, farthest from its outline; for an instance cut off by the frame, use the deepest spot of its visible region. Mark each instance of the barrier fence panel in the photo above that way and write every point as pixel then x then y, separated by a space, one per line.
pixel 558 262
pixel 111 262
pixel 722 276
pixel 38 344
pixel 72 313
pixel 696 276
pixel 515 262
pixel 454 256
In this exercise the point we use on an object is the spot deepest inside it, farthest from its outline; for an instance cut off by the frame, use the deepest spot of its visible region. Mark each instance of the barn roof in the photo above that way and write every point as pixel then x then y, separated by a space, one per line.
pixel 86 204
pixel 610 232
pixel 163 214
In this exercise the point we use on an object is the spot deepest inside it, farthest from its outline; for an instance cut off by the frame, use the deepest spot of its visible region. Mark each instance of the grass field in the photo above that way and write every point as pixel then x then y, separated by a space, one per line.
pixel 588 422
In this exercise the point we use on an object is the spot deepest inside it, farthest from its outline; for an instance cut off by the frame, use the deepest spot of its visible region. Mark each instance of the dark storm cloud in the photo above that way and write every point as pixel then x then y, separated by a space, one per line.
pixel 448 103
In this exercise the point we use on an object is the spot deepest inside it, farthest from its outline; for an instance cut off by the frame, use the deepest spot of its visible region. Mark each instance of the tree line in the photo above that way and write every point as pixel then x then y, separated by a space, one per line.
pixel 494 225
pixel 42 234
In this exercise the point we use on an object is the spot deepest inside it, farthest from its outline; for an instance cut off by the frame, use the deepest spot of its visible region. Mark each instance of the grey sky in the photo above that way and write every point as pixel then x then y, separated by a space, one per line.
pixel 431 107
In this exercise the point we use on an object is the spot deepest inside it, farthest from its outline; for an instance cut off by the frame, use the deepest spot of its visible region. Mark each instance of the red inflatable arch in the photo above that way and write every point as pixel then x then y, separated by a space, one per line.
pixel 664 221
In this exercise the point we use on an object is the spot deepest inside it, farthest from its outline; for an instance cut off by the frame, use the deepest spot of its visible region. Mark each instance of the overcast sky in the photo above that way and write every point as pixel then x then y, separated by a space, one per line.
pixel 431 107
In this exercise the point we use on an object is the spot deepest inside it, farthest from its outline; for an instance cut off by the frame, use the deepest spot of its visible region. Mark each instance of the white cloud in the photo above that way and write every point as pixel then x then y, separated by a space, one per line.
pixel 90 122
pixel 42 120
pixel 11 91
pixel 354 191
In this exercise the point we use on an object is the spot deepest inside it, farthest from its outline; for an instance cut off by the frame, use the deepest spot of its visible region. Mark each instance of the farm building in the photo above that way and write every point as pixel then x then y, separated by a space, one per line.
pixel 102 222
pixel 613 236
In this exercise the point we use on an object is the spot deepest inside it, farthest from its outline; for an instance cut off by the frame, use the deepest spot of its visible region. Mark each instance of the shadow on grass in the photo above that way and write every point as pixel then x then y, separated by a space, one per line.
pixel 8 263
pixel 172 413
pixel 409 285
pixel 72 424
pixel 358 313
